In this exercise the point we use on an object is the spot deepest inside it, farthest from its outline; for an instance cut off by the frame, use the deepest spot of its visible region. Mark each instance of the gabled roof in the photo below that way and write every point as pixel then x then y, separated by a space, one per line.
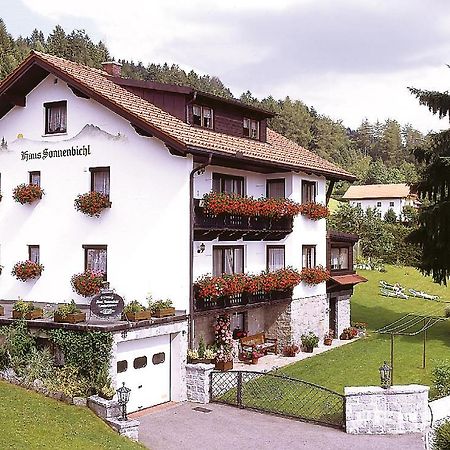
pixel 370 191
pixel 278 151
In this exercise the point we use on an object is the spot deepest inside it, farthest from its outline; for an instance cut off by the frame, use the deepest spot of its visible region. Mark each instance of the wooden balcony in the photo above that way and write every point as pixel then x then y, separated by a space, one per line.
pixel 230 227
pixel 238 300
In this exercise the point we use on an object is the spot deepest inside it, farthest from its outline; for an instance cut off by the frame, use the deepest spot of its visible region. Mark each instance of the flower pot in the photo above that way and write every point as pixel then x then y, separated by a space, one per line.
pixel 200 361
pixel 164 312
pixel 308 349
pixel 70 318
pixel 327 341
pixel 255 360
pixel 224 365
pixel 35 314
pixel 136 316
pixel 2 311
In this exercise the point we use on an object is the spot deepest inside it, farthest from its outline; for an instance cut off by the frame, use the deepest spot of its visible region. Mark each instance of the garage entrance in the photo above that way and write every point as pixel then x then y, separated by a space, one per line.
pixel 144 366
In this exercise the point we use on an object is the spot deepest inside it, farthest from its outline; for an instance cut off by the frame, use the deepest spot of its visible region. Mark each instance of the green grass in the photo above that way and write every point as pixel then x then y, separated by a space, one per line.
pixel 32 421
pixel 357 364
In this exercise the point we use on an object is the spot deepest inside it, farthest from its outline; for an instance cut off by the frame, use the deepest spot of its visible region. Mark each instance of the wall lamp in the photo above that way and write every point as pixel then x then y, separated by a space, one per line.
pixel 201 248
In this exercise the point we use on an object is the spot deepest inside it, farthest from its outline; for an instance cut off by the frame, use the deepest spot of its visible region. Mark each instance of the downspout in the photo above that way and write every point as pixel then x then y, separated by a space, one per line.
pixel 191 246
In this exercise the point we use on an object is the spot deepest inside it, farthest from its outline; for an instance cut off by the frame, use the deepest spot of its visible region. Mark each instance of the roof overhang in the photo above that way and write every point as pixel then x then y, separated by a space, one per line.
pixel 348 280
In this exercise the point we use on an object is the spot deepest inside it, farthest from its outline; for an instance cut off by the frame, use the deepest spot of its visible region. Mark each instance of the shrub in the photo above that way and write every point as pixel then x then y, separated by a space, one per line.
pixel 92 203
pixel 69 381
pixel 309 340
pixel 88 283
pixel 103 385
pixel 441 439
pixel 39 366
pixel 27 270
pixel 441 378
pixel 27 193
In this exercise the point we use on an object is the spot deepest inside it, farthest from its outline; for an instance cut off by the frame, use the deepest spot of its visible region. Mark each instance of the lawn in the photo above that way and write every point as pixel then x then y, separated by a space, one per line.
pixel 357 363
pixel 32 421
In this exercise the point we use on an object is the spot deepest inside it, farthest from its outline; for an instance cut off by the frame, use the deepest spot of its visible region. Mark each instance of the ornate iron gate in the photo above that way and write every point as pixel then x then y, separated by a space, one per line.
pixel 279 394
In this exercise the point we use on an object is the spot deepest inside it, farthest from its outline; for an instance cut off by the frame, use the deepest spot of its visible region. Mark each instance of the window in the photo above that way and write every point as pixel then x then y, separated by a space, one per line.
pixel 391 204
pixel 95 259
pixel 275 257
pixel 228 260
pixel 202 116
pixel 35 178
pixel 237 321
pixel 339 258
pixel 122 366
pixel 140 362
pixel 378 204
pixel 228 183
pixel 308 191
pixel 358 205
pixel 100 180
pixel 308 256
pixel 158 358
pixel 55 117
pixel 251 128
pixel 275 188
pixel 33 253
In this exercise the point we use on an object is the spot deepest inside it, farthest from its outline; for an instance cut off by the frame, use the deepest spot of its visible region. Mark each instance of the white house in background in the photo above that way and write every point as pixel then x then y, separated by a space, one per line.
pixel 155 150
pixel 383 197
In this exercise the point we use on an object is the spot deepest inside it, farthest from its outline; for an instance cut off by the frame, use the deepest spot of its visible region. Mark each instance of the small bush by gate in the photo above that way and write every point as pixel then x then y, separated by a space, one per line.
pixel 279 394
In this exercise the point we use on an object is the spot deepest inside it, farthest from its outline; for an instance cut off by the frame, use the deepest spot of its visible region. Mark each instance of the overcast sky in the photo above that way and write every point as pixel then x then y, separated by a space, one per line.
pixel 350 59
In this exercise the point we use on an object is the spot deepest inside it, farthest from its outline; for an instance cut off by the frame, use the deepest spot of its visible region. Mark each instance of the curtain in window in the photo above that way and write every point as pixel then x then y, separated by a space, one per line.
pixel 343 258
pixel 308 191
pixel 228 260
pixel 96 260
pixel 57 119
pixel 101 182
pixel 34 254
pixel 35 178
pixel 335 258
pixel 238 260
pixel 308 257
pixel 217 262
pixel 275 259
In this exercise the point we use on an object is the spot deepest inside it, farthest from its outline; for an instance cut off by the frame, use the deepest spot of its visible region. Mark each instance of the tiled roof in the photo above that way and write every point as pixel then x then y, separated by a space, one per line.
pixel 278 150
pixel 400 190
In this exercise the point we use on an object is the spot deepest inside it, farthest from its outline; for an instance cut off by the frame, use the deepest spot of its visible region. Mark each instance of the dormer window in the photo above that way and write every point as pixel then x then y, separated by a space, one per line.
pixel 251 128
pixel 55 117
pixel 202 116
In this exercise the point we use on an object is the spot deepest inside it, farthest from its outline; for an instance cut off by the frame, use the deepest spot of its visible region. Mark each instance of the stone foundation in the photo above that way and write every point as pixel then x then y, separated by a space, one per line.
pixel 343 313
pixel 397 410
pixel 105 409
pixel 128 428
pixel 198 379
pixel 309 314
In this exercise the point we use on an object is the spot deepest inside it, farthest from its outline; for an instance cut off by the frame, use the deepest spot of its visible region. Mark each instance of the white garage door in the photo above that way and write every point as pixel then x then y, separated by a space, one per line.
pixel 144 366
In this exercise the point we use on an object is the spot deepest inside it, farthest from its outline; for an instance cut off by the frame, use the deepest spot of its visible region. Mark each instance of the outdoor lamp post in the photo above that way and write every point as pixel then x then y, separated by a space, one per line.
pixel 385 375
pixel 123 397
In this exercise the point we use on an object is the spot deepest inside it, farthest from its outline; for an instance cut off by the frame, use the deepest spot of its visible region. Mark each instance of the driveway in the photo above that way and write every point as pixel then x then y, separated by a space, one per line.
pixel 221 427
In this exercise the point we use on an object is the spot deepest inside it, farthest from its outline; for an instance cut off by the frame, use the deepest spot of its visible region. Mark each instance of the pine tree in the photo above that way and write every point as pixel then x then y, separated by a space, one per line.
pixel 433 234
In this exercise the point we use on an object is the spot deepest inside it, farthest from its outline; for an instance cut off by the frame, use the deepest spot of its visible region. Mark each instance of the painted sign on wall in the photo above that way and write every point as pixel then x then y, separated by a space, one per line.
pixel 46 153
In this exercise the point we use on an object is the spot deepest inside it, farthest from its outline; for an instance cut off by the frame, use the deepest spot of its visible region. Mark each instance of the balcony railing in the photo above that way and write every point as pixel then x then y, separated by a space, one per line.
pixel 229 301
pixel 231 226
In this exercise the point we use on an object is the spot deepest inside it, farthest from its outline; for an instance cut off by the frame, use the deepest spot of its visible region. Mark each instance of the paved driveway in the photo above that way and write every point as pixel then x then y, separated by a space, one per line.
pixel 181 427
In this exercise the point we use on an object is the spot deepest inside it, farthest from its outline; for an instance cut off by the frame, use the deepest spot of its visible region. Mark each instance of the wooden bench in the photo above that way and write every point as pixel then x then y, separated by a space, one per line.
pixel 258 342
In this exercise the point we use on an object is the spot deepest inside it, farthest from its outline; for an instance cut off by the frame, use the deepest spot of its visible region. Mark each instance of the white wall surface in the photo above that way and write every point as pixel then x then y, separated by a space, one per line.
pixel 399 204
pixel 146 229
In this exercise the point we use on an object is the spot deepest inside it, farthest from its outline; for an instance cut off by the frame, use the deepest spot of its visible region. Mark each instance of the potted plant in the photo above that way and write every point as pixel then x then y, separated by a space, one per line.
pixel 92 204
pixel 103 385
pixel 27 270
pixel 309 341
pixel 345 335
pixel 290 350
pixel 224 343
pixel 253 356
pixel 161 308
pixel 361 328
pixel 27 193
pixel 328 339
pixel 134 312
pixel 87 283
pixel 26 310
pixel 69 313
pixel 202 354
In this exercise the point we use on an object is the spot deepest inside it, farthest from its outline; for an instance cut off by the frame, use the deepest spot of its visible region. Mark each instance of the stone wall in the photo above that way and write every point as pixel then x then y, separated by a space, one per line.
pixel 397 410
pixel 309 314
pixel 278 323
pixel 198 379
pixel 343 313
pixel 440 413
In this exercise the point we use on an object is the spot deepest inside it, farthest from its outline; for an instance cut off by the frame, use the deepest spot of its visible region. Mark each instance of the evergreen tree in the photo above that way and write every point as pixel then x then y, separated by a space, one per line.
pixel 433 234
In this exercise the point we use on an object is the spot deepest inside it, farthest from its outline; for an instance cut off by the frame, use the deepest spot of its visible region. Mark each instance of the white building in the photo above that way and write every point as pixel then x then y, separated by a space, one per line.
pixel 383 197
pixel 154 150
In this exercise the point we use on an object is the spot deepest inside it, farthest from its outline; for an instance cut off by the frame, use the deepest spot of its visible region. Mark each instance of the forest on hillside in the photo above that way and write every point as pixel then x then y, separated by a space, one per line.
pixel 379 152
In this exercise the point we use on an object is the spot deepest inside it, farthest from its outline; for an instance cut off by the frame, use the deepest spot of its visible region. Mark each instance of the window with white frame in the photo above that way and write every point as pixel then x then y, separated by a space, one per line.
pixel 308 256
pixel 378 204
pixel 228 260
pixel 275 257
pixel 391 204
pixel 202 116
pixel 339 258
pixel 251 128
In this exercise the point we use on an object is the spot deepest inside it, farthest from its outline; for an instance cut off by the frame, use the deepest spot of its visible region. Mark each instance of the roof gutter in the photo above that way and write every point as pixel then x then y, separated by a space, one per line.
pixel 195 170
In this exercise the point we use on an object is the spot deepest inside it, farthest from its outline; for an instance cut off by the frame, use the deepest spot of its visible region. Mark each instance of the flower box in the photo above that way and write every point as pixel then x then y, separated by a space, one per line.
pixel 200 361
pixel 137 316
pixel 69 318
pixel 2 311
pixel 35 314
pixel 224 365
pixel 27 193
pixel 164 312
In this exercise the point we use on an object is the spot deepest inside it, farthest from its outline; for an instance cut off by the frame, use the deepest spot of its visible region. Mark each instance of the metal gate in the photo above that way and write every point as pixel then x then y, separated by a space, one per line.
pixel 279 394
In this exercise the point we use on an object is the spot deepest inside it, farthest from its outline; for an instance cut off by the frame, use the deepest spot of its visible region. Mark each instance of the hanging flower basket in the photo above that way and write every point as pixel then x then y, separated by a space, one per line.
pixel 27 193
pixel 314 275
pixel 92 204
pixel 27 270
pixel 87 283
pixel 315 211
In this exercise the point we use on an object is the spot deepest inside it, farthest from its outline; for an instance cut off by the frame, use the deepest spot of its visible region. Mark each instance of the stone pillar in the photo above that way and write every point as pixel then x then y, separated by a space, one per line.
pixel 309 314
pixel 343 313
pixel 397 410
pixel 198 380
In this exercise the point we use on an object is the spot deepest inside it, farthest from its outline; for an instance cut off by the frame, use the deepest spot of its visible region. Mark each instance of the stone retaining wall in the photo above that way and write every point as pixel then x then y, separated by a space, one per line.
pixel 397 410
pixel 198 379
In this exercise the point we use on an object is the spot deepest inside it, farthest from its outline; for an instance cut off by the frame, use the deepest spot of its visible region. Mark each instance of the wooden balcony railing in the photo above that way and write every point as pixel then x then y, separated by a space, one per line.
pixel 231 226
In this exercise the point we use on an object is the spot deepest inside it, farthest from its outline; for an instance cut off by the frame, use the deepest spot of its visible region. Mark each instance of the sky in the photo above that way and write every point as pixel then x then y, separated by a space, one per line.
pixel 350 59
